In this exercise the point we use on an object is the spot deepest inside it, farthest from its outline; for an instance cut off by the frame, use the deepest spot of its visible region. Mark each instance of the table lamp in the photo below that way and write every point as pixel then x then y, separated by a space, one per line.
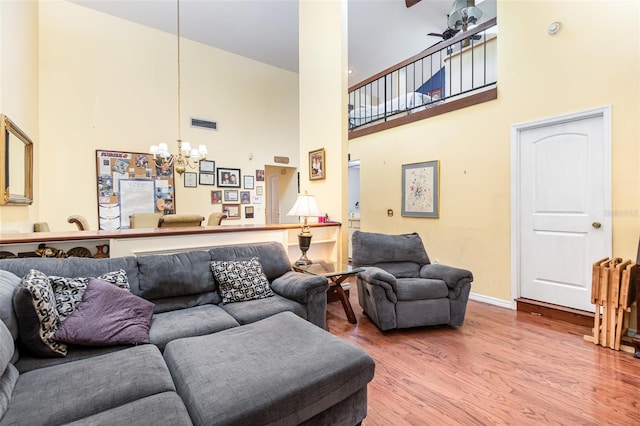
pixel 305 206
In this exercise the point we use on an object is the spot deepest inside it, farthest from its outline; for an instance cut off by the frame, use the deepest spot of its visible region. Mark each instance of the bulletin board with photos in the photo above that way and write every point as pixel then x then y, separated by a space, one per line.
pixel 131 182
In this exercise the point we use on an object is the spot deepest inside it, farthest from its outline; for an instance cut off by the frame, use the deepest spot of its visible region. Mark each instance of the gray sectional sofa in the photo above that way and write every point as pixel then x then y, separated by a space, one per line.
pixel 264 361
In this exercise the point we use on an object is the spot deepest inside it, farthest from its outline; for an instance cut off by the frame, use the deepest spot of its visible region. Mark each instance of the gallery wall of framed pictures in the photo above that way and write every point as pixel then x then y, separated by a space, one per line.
pixel 232 188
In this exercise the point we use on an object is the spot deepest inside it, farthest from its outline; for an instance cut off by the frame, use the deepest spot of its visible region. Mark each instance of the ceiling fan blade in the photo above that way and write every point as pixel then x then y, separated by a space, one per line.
pixel 449 33
pixel 435 34
pixel 410 3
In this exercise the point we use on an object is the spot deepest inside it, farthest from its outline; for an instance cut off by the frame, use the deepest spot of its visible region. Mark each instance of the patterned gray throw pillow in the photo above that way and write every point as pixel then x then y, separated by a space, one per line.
pixel 37 315
pixel 68 291
pixel 241 280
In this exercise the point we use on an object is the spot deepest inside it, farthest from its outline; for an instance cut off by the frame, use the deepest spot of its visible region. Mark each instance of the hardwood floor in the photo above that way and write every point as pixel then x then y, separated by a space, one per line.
pixel 502 367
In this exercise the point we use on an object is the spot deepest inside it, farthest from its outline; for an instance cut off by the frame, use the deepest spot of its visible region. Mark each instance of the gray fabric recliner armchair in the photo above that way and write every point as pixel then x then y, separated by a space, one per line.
pixel 400 288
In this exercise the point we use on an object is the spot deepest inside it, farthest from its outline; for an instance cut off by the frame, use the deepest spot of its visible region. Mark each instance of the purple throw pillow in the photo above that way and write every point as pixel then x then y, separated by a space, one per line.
pixel 107 315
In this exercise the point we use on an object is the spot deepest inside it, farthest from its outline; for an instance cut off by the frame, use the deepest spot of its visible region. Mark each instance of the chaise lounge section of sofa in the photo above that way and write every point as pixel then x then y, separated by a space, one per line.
pixel 136 385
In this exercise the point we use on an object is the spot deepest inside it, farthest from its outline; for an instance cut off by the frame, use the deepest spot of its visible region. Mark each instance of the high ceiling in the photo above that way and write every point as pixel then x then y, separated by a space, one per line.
pixel 381 32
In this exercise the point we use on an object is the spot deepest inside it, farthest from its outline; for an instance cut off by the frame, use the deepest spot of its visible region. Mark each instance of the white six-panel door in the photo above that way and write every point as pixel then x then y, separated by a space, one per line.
pixel 561 197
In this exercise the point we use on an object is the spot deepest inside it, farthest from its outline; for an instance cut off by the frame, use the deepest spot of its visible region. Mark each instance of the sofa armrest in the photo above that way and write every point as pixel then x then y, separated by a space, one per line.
pixel 450 275
pixel 380 277
pixel 299 286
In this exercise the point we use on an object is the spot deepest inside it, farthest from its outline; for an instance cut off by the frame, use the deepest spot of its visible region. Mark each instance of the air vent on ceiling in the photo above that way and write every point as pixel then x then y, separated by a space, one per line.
pixel 204 124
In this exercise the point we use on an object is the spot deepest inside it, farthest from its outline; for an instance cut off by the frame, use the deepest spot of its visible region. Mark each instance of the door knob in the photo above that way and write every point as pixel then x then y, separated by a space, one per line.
pixel 596 225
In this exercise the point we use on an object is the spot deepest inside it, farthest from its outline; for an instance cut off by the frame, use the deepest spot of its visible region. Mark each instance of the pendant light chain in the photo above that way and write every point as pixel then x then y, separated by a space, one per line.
pixel 179 77
pixel 185 157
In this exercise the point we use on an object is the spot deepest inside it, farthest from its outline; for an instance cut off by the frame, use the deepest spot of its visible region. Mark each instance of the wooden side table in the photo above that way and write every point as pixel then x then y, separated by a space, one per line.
pixel 336 273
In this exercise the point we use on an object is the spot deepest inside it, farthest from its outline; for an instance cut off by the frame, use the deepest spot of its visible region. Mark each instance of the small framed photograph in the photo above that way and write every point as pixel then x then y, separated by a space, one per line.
pixel 231 210
pixel 229 178
pixel 231 195
pixel 256 199
pixel 207 166
pixel 420 192
pixel 207 179
pixel 317 164
pixel 245 197
pixel 258 190
pixel 190 180
pixel 248 182
pixel 216 197
pixel 260 175
pixel 248 212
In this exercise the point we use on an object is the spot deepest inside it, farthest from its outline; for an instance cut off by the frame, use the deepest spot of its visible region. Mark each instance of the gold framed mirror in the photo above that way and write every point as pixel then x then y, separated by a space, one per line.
pixel 16 157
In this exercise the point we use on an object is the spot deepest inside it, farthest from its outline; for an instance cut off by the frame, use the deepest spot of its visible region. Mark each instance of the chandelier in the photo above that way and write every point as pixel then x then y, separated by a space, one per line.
pixel 186 157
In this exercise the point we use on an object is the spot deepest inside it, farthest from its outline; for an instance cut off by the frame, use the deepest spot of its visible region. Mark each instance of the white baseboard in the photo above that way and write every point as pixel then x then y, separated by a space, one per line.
pixel 492 301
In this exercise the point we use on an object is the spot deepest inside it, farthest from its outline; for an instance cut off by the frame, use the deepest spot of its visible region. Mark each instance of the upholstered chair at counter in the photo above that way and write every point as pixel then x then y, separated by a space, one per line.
pixel 400 288
pixel 41 227
pixel 81 222
pixel 215 218
pixel 144 220
pixel 180 220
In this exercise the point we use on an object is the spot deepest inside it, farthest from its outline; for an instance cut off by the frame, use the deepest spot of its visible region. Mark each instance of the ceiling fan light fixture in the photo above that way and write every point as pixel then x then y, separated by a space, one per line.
pixel 464 13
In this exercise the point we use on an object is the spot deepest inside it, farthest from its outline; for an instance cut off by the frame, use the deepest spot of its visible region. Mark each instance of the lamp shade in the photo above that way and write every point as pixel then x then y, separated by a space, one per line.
pixel 305 206
pixel 463 13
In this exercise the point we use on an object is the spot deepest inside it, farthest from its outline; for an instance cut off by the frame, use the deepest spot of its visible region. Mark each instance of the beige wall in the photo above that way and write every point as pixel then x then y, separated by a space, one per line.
pixel 107 83
pixel 19 90
pixel 538 76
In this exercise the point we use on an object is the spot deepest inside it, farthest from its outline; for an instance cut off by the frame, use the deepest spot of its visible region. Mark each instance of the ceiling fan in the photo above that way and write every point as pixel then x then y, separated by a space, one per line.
pixel 410 3
pixel 446 34
pixel 450 32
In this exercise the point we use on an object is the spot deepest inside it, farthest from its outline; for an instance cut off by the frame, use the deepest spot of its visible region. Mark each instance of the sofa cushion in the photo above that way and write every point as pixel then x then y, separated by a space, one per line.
pixel 274 259
pixel 35 307
pixel 165 408
pixel 255 310
pixel 189 322
pixel 184 302
pixel 75 390
pixel 8 284
pixel 175 275
pixel 6 347
pixel 238 376
pixel 75 267
pixel 421 289
pixel 241 280
pixel 8 381
pixel 68 291
pixel 106 316
pixel 8 373
pixel 28 362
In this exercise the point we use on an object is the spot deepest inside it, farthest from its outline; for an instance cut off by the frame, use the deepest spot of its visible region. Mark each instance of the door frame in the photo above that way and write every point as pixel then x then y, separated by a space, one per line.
pixel 273 200
pixel 604 113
